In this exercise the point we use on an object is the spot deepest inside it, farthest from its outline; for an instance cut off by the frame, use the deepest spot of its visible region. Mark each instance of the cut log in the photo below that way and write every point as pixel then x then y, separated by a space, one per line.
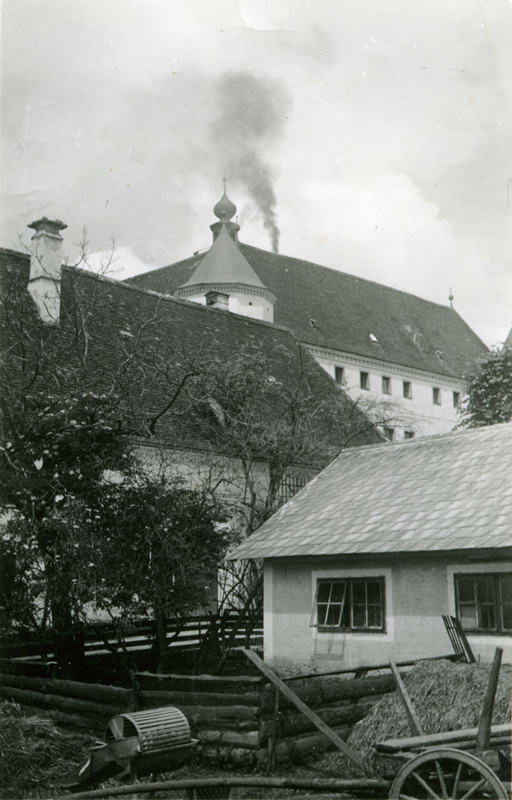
pixel 230 684
pixel 195 699
pixel 292 724
pixel 298 748
pixel 85 691
pixel 235 714
pixel 56 702
pixel 321 691
pixel 240 757
pixel 246 741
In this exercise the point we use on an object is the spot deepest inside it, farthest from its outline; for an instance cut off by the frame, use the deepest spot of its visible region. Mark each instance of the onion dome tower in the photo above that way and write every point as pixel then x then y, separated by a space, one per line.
pixel 223 277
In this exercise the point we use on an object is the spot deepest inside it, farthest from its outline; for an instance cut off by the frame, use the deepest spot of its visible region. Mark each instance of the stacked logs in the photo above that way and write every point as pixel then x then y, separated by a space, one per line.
pixel 236 720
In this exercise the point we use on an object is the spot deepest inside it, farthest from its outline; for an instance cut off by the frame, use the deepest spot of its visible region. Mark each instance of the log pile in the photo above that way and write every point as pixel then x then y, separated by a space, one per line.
pixel 236 720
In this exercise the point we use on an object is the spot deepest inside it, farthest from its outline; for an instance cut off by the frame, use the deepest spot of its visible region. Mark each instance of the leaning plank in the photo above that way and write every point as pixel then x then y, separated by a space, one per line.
pixel 468 734
pixel 414 723
pixel 298 703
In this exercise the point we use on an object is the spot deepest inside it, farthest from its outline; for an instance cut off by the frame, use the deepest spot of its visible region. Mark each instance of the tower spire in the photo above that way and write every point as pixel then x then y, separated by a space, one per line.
pixel 224 210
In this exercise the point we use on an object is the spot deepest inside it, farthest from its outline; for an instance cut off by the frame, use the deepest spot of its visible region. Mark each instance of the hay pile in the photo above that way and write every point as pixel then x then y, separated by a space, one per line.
pixel 446 697
pixel 35 754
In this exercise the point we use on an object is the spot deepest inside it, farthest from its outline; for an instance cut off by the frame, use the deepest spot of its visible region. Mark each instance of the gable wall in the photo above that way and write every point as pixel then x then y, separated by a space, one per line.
pixel 418 591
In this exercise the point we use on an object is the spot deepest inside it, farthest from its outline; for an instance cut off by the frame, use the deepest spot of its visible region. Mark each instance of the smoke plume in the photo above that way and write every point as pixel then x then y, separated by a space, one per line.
pixel 251 115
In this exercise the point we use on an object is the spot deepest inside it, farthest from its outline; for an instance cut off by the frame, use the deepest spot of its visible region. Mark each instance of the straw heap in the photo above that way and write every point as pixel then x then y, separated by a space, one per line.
pixel 446 697
pixel 35 754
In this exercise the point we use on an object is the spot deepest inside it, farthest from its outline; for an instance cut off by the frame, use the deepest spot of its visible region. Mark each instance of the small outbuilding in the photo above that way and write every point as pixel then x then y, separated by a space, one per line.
pixel 361 565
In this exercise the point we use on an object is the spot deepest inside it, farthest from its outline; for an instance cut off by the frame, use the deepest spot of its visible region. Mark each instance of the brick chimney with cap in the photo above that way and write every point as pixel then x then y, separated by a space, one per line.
pixel 46 268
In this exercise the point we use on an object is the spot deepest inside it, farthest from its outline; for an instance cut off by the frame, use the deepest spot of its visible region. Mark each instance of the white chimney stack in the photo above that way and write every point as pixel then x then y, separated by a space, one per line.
pixel 46 268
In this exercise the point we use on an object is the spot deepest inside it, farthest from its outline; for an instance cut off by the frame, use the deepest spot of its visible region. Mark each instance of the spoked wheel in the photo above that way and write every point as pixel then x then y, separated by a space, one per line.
pixel 443 773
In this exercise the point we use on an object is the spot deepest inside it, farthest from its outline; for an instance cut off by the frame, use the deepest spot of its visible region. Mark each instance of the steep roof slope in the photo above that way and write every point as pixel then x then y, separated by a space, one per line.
pixel 149 343
pixel 442 493
pixel 336 310
pixel 224 263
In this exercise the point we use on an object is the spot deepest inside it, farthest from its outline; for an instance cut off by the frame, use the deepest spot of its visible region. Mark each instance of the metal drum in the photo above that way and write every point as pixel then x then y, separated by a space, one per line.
pixel 162 734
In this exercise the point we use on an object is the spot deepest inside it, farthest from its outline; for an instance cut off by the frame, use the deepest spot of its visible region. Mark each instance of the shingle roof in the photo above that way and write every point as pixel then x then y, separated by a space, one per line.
pixel 178 333
pixel 442 493
pixel 224 263
pixel 346 309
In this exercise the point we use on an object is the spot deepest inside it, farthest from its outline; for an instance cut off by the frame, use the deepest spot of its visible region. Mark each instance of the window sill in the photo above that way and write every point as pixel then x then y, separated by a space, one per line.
pixel 350 630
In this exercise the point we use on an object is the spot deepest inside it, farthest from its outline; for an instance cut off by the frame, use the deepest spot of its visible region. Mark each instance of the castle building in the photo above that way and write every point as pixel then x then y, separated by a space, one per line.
pixel 398 355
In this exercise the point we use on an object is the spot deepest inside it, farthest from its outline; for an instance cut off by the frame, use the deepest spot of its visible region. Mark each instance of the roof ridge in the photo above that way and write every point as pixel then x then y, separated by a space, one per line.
pixel 350 275
pixel 454 433
pixel 177 300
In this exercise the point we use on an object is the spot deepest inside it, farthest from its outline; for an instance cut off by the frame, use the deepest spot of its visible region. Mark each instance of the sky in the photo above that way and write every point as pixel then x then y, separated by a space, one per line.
pixel 370 136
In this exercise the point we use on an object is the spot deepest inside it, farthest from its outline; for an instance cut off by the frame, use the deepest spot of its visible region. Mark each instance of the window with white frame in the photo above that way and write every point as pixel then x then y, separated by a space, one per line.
pixel 436 396
pixel 349 604
pixel 456 399
pixel 339 375
pixel 386 385
pixel 364 379
pixel 484 602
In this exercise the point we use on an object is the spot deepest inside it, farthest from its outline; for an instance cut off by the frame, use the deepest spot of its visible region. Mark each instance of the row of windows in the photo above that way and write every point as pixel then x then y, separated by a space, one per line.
pixel 364 382
pixel 483 603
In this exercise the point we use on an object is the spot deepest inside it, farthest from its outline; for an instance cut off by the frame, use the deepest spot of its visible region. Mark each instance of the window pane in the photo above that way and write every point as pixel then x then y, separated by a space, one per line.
pixel 486 621
pixel 466 587
pixel 506 613
pixel 505 582
pixel 373 592
pixel 467 615
pixel 338 592
pixel 485 588
pixel 324 590
pixel 359 592
pixel 320 614
pixel 374 617
pixel 359 617
pixel 333 615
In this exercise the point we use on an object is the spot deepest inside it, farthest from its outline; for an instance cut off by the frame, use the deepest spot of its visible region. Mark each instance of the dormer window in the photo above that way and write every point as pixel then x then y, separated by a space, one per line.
pixel 373 339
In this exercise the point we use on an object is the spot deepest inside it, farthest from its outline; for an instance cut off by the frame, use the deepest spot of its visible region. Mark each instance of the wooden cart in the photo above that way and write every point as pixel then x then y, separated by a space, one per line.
pixel 462 764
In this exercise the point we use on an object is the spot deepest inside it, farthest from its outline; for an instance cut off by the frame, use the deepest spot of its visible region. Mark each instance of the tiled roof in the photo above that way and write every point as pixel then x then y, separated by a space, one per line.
pixel 172 332
pixel 339 311
pixel 448 492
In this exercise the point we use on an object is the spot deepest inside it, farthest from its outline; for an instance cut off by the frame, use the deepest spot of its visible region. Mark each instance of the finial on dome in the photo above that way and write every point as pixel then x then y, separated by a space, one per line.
pixel 224 209
pixel 451 298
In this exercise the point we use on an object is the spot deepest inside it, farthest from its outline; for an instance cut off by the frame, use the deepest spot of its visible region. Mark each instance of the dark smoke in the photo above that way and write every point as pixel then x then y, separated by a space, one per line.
pixel 251 118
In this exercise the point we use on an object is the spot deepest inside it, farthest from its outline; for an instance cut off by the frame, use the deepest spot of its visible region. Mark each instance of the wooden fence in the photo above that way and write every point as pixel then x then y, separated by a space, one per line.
pixel 182 635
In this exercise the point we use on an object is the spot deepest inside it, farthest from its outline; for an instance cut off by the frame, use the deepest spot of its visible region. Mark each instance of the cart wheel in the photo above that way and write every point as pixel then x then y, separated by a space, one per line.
pixel 444 773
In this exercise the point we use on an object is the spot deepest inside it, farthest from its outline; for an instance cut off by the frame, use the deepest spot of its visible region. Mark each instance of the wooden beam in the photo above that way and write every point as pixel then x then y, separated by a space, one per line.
pixel 298 703
pixel 414 723
pixel 484 726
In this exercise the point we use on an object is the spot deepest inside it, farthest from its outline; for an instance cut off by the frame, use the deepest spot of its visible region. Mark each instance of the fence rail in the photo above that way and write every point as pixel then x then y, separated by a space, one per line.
pixel 182 635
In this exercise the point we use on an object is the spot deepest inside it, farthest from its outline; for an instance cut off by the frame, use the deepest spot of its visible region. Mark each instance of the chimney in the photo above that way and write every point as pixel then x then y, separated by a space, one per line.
pixel 216 299
pixel 46 268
